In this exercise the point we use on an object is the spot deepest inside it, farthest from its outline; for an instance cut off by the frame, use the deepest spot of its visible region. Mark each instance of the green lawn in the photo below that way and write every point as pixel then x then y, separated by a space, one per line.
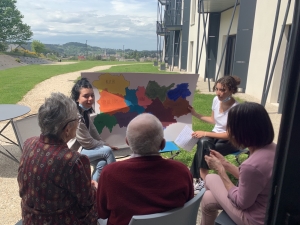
pixel 16 82
pixel 137 68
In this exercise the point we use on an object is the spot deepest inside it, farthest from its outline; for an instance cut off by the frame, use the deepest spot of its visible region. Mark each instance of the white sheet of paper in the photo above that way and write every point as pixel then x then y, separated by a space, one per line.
pixel 185 139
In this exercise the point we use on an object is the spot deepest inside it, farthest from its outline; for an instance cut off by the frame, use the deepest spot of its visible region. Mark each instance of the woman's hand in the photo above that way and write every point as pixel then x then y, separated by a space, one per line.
pixel 192 111
pixel 219 156
pixel 114 148
pixel 213 162
pixel 198 134
pixel 94 184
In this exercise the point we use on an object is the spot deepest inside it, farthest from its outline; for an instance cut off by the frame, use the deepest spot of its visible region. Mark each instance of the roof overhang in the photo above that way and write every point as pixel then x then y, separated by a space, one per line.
pixel 163 2
pixel 211 6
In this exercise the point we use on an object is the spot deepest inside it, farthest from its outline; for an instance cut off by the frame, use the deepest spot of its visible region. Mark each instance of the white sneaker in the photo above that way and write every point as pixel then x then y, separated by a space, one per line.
pixel 198 185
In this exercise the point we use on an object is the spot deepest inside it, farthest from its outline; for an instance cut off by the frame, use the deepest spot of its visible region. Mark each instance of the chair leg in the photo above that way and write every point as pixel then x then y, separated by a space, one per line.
pixel 173 155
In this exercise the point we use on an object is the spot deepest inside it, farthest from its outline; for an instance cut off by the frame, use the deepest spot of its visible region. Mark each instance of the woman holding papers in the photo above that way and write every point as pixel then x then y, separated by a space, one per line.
pixel 217 139
pixel 88 140
pixel 248 125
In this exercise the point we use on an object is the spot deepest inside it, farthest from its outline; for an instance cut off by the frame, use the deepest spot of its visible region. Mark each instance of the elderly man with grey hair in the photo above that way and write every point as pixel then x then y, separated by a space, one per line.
pixel 146 183
pixel 55 182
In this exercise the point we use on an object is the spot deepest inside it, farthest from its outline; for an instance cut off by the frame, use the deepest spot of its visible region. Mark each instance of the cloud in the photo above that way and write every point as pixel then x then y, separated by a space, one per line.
pixel 114 21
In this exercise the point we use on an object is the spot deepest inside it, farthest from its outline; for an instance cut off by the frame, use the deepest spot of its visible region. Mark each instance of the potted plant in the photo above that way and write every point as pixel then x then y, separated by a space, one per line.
pixel 155 63
pixel 162 66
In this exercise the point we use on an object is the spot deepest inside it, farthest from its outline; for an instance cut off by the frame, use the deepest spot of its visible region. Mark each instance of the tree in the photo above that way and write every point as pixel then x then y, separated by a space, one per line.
pixel 37 46
pixel 12 29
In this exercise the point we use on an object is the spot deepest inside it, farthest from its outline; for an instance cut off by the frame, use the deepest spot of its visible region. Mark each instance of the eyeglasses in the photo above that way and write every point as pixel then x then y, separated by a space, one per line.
pixel 79 118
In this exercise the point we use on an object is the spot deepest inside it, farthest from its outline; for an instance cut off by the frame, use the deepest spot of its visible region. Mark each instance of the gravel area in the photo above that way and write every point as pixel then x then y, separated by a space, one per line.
pixel 10 211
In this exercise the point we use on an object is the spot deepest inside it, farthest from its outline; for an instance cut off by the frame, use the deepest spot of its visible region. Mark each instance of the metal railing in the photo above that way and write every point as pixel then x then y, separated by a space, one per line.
pixel 173 17
pixel 160 28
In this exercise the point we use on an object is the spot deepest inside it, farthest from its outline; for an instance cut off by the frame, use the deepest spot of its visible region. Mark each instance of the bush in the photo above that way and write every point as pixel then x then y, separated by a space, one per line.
pixel 3 46
pixel 18 60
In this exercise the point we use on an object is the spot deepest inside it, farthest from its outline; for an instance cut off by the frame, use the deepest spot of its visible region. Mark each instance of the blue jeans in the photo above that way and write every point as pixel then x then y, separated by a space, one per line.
pixel 99 157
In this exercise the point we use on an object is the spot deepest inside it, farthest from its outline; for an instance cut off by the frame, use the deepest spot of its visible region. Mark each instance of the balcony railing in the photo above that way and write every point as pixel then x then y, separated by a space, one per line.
pixel 173 20
pixel 160 28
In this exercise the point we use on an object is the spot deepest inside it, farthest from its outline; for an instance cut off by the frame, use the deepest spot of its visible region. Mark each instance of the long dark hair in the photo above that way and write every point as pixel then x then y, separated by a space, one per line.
pixel 75 92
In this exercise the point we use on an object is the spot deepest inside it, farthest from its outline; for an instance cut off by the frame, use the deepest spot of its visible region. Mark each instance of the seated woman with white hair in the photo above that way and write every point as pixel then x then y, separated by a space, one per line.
pixel 54 182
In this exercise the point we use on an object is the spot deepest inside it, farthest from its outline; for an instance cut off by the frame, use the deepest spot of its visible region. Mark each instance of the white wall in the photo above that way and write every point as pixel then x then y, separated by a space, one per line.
pixel 224 27
pixel 193 33
pixel 261 40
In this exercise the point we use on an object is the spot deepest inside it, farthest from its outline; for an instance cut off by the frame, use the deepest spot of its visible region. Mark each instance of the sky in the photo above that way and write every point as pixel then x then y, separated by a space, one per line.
pixel 102 23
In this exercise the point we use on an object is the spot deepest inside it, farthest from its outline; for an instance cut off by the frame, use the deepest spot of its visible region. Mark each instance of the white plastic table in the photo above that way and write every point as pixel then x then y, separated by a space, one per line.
pixel 9 112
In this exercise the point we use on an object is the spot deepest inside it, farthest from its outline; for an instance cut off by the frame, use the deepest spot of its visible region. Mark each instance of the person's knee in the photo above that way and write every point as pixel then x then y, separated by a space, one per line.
pixel 203 141
pixel 206 143
pixel 101 164
pixel 210 179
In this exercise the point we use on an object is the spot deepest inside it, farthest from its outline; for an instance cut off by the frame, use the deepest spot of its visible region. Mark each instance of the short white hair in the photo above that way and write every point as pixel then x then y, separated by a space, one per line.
pixel 145 134
pixel 55 113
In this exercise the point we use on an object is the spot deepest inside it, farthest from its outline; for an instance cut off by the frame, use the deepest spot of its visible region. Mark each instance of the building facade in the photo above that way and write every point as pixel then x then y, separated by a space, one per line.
pixel 234 37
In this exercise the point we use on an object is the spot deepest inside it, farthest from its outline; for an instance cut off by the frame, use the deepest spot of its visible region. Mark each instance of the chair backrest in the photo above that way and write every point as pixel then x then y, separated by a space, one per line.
pixel 25 128
pixel 184 215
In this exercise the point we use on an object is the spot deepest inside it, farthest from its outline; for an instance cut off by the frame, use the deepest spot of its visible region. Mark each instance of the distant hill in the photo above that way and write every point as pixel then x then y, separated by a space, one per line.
pixel 76 48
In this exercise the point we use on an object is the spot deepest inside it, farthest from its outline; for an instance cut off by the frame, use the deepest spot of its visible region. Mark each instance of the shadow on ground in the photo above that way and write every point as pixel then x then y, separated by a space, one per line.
pixel 9 168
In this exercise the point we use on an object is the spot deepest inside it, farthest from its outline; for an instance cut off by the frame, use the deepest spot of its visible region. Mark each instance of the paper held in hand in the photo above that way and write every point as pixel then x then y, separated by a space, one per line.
pixel 185 139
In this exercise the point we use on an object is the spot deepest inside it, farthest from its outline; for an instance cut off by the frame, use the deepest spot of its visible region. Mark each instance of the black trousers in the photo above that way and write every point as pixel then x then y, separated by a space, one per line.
pixel 203 145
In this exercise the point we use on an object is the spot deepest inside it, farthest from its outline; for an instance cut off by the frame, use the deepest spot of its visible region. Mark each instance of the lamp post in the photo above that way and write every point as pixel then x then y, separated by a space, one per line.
pixel 123 54
pixel 86 49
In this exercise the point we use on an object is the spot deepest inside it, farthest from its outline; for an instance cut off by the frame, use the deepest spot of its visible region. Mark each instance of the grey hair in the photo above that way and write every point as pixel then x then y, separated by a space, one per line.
pixel 144 134
pixel 55 113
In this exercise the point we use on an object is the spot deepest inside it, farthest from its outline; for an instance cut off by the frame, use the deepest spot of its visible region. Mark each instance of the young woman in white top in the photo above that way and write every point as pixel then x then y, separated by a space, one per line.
pixel 217 139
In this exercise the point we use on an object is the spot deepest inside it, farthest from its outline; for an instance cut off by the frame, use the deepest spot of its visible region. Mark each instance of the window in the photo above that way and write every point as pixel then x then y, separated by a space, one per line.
pixel 229 55
pixel 193 11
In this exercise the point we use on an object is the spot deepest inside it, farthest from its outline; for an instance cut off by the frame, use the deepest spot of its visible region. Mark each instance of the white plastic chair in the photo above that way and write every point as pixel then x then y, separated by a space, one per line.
pixel 25 128
pixel 179 216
